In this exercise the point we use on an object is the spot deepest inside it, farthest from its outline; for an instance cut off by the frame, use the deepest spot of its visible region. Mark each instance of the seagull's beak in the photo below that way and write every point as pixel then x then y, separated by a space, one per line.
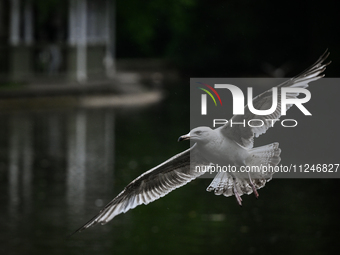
pixel 184 137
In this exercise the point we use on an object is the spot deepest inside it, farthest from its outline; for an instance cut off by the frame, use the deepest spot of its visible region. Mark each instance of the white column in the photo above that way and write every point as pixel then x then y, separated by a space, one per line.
pixel 72 25
pixel 28 23
pixel 14 38
pixel 92 22
pixel 109 60
pixel 81 41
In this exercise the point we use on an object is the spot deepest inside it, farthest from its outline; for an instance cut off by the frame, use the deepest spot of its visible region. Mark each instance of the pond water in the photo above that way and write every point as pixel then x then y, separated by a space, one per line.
pixel 58 168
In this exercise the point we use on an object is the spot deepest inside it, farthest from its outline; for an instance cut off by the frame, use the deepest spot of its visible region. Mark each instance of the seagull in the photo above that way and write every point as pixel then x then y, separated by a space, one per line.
pixel 225 145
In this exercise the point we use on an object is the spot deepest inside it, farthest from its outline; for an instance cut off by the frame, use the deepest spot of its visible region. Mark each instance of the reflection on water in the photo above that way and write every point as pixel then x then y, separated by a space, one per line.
pixel 65 158
pixel 90 138
pixel 88 152
pixel 58 168
pixel 20 150
pixel 76 162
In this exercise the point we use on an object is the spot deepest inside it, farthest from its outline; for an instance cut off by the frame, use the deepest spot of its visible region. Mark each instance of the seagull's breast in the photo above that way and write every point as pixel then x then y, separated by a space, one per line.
pixel 224 152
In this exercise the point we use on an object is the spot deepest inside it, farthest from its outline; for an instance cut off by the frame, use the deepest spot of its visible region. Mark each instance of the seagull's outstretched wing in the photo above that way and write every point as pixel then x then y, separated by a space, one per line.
pixel 245 135
pixel 151 185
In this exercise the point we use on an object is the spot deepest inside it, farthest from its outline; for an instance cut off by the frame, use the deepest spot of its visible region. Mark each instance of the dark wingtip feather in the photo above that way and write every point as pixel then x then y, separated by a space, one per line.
pixel 73 233
pixel 77 231
pixel 328 63
pixel 314 68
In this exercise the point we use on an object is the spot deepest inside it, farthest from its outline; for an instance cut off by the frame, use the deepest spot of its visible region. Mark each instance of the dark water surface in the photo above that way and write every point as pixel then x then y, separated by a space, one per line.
pixel 58 168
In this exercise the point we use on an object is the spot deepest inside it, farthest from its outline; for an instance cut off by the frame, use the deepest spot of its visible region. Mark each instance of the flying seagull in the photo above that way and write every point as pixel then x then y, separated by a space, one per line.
pixel 224 146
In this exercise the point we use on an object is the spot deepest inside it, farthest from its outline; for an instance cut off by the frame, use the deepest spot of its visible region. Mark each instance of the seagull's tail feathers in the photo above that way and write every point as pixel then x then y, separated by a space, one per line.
pixel 264 156
pixel 260 158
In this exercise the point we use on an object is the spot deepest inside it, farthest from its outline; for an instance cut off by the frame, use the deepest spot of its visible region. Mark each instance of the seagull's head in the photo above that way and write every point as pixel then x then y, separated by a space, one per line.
pixel 199 135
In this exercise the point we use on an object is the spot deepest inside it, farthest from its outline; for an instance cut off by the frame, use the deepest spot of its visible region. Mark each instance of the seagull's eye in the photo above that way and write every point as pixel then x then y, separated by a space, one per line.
pixel 198 132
